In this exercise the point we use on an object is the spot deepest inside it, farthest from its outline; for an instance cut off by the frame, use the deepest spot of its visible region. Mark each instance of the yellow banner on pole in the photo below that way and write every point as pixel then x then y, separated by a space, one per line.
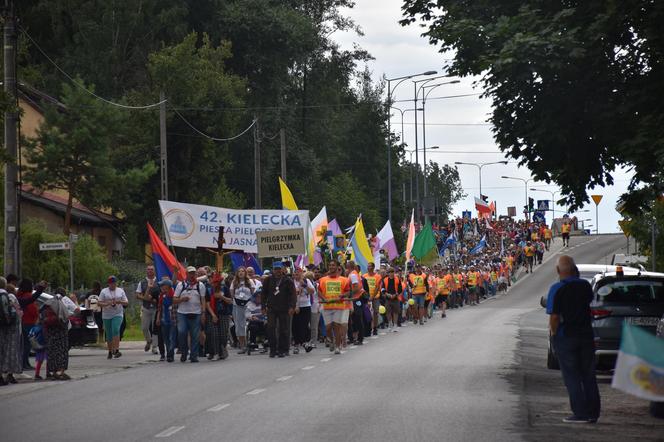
pixel 596 198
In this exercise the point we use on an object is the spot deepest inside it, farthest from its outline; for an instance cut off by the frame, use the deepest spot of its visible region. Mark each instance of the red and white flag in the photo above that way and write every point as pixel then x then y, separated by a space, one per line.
pixel 482 207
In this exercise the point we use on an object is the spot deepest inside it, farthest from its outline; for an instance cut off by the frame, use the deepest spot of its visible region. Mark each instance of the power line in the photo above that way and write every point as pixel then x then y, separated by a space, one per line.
pixel 441 124
pixel 445 97
pixel 124 106
pixel 211 137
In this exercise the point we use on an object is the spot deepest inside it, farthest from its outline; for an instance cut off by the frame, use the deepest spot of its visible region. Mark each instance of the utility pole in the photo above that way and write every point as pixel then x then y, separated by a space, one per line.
pixel 11 121
pixel 654 240
pixel 282 137
pixel 257 165
pixel 163 159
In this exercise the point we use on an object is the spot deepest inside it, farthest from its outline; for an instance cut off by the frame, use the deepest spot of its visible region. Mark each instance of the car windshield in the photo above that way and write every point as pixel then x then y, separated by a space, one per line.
pixel 641 291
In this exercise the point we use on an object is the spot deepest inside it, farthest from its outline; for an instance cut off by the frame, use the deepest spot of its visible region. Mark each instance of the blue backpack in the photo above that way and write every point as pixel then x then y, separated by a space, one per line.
pixel 36 338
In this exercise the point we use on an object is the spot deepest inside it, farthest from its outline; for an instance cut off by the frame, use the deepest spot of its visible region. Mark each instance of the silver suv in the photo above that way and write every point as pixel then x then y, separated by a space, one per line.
pixel 638 299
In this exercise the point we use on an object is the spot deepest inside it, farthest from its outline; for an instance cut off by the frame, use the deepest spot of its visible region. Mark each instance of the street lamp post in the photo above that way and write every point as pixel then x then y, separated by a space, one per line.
pixel 553 201
pixel 525 182
pixel 425 94
pixel 390 90
pixel 479 167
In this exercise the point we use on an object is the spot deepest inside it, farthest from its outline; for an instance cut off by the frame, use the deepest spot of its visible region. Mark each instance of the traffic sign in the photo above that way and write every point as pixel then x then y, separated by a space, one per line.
pixel 539 217
pixel 625 227
pixel 46 246
pixel 596 198
pixel 542 205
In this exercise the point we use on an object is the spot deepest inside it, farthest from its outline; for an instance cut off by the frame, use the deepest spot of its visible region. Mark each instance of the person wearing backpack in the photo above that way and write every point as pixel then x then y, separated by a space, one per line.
pixel 10 335
pixel 190 299
pixel 54 317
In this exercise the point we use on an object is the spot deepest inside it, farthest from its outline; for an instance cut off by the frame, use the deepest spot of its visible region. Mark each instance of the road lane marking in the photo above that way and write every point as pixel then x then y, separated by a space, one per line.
pixel 326 359
pixel 218 407
pixel 255 391
pixel 353 346
pixel 308 367
pixel 169 431
pixel 283 378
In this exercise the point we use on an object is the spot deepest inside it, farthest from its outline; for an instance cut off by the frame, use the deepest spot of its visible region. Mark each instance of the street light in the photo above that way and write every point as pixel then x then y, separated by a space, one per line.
pixel 525 182
pixel 403 111
pixel 417 160
pixel 390 90
pixel 553 201
pixel 479 167
pixel 425 94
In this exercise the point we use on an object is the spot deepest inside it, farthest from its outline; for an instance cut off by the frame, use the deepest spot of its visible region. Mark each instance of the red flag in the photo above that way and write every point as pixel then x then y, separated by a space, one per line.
pixel 164 260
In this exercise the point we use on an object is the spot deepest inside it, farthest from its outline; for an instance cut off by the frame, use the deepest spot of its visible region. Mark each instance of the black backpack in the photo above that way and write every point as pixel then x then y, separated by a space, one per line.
pixel 8 314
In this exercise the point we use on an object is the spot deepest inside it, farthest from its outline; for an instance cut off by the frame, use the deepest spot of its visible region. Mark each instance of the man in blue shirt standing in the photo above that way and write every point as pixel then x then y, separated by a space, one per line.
pixel 568 305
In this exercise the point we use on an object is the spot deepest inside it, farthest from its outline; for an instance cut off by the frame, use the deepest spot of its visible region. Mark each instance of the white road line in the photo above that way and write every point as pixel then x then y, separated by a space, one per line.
pixel 326 359
pixel 308 367
pixel 283 378
pixel 353 346
pixel 218 407
pixel 169 431
pixel 255 391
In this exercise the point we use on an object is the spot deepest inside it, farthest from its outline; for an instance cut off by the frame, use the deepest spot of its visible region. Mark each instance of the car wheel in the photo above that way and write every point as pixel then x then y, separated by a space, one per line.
pixel 551 361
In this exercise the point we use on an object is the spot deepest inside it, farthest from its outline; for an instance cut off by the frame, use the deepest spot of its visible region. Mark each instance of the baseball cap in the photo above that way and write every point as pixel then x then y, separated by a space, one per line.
pixel 167 282
pixel 112 279
pixel 277 265
pixel 191 269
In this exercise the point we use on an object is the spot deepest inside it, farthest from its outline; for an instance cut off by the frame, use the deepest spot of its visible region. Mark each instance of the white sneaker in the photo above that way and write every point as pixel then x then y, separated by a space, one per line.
pixel 337 351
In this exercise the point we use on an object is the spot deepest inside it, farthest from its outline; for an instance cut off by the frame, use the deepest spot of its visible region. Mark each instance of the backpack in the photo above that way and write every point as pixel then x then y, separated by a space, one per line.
pixel 8 315
pixel 36 338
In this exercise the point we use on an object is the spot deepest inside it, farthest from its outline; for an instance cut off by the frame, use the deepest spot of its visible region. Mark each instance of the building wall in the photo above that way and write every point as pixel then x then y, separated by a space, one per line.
pixel 105 236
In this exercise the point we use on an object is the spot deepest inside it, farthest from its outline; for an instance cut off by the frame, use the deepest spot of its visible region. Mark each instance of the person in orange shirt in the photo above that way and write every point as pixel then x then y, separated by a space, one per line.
pixel 392 289
pixel 529 251
pixel 548 236
pixel 564 230
pixel 419 287
pixel 334 292
pixel 373 284
pixel 444 285
pixel 474 281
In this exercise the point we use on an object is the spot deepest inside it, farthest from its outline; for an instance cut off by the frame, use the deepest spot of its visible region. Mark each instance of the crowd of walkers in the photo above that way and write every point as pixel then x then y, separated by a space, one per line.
pixel 285 310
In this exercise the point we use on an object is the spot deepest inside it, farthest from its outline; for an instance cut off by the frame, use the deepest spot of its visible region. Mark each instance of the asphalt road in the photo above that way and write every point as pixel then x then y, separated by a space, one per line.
pixel 446 380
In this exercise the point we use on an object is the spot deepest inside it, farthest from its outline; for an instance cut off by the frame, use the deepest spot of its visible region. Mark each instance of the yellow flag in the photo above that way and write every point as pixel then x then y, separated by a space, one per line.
pixel 287 200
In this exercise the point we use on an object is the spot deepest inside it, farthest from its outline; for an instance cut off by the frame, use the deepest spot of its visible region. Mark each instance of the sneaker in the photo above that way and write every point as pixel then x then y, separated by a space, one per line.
pixel 110 355
pixel 281 355
pixel 155 351
pixel 117 354
pixel 308 348
pixel 162 358
pixel 375 332
pixel 38 378
pixel 224 353
pixel 296 351
pixel 337 351
pixel 421 322
pixel 210 357
pixel 147 347
pixel 183 358
pixel 169 359
pixel 576 420
pixel 331 347
pixel 242 352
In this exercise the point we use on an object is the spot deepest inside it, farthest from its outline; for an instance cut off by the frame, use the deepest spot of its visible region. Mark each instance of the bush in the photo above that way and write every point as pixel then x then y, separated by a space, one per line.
pixel 90 263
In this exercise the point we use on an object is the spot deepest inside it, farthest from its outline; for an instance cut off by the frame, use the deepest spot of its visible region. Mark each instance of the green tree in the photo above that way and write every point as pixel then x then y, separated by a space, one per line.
pixel 576 86
pixel 345 200
pixel 71 152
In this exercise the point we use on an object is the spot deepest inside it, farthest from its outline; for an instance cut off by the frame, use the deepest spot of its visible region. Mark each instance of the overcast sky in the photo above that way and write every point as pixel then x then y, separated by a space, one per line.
pixel 457 125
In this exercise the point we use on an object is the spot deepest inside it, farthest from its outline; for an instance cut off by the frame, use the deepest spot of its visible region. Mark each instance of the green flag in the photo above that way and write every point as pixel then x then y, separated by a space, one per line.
pixel 424 246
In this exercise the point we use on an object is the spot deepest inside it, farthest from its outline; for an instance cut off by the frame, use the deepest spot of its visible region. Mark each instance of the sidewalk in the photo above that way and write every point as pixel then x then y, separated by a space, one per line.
pixel 84 363
pixel 545 403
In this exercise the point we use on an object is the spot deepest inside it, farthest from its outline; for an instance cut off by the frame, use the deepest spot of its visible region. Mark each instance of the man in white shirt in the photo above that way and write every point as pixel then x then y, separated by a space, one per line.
pixel 190 299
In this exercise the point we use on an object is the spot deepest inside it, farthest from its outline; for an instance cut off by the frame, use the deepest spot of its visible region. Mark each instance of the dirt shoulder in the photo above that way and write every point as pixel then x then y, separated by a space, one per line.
pixel 544 400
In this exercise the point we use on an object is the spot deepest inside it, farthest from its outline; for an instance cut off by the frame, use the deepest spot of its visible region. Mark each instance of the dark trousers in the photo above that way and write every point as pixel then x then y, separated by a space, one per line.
pixel 278 331
pixel 576 357
pixel 26 346
pixel 358 322
pixel 301 333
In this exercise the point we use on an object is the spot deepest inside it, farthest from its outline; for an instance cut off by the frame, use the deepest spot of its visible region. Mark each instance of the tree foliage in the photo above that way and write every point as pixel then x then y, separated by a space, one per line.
pixel 576 86
pixel 221 64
